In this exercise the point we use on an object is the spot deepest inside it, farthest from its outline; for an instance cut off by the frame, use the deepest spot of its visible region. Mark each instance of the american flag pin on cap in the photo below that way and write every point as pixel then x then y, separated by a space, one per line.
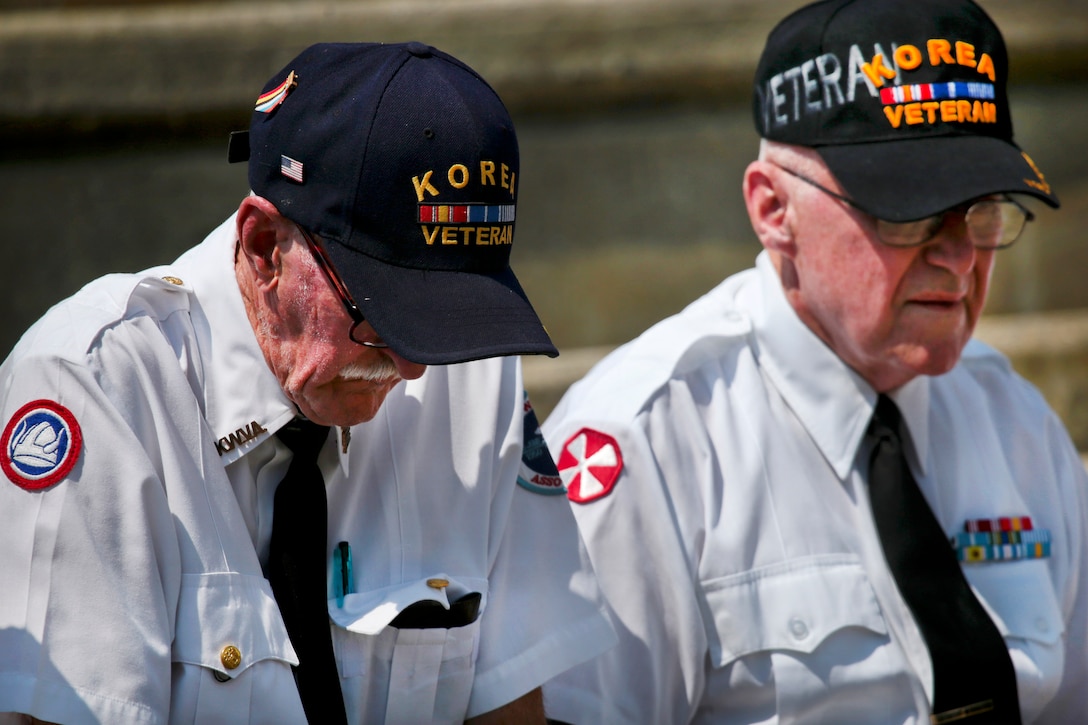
pixel 291 168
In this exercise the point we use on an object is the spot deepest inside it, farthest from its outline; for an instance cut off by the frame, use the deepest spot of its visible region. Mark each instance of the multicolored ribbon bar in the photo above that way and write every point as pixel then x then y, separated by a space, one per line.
pixel 1005 523
pixel 1004 552
pixel 466 213
pixel 1001 539
pixel 936 92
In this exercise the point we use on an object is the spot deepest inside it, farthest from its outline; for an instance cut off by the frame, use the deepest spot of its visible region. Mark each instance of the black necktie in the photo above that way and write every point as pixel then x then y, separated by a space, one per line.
pixel 971 664
pixel 296 571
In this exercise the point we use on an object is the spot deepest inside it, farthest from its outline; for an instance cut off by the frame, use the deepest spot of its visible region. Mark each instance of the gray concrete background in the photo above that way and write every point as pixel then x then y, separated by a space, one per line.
pixel 634 126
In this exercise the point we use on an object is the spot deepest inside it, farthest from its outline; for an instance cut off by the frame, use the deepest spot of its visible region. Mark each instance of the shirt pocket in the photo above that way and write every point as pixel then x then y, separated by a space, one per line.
pixel 1019 596
pixel 409 676
pixel 418 673
pixel 797 605
pixel 232 656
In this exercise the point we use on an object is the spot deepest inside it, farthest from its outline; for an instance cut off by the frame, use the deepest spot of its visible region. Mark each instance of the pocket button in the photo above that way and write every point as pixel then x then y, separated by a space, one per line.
pixel 230 656
pixel 798 628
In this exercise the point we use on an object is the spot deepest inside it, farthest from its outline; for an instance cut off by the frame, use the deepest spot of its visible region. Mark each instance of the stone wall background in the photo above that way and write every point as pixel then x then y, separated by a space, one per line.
pixel 633 117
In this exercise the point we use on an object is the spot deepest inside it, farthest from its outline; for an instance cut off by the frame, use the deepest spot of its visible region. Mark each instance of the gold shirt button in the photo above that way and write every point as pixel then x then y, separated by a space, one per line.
pixel 173 280
pixel 438 583
pixel 230 656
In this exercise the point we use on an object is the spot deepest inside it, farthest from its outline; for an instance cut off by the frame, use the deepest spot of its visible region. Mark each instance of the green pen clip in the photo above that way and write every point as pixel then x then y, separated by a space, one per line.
pixel 343 581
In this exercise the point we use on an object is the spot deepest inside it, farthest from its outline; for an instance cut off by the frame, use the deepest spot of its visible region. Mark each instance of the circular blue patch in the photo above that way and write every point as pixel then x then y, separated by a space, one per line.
pixel 538 472
pixel 40 444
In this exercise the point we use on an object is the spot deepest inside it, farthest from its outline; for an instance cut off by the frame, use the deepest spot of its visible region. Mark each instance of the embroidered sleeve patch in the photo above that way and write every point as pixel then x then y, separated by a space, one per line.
pixel 590 465
pixel 538 473
pixel 40 444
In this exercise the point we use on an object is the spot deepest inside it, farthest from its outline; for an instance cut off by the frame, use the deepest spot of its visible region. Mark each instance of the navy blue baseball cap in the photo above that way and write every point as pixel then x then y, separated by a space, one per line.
pixel 904 100
pixel 404 162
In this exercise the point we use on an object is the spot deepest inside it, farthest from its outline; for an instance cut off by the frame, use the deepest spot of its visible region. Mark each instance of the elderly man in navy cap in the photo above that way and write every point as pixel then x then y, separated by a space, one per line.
pixel 810 497
pixel 294 476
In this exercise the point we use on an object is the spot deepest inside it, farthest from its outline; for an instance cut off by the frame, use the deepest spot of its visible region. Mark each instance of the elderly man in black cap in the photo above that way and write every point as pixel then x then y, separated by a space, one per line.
pixel 810 497
pixel 294 475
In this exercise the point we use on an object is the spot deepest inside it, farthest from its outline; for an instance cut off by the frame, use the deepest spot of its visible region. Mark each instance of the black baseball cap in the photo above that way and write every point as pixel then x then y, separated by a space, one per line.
pixel 404 162
pixel 905 101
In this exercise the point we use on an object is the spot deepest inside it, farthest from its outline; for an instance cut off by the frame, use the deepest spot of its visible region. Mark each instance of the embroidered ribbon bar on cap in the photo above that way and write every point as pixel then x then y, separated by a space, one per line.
pixel 465 213
pixel 936 91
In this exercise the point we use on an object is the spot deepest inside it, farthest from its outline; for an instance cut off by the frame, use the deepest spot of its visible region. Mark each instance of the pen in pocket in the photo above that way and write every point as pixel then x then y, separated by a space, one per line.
pixel 343 581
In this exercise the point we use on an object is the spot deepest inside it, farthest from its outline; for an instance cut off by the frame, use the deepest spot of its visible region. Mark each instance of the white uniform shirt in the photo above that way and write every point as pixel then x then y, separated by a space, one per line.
pixel 137 507
pixel 727 516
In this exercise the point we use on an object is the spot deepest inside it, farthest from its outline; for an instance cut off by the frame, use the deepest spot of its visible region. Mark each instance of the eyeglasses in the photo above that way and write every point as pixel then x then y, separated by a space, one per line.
pixel 991 223
pixel 340 288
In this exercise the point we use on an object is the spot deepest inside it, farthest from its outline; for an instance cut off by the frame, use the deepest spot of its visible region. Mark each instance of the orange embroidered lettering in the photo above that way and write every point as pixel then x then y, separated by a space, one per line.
pixel 877 71
pixel 424 186
pixel 458 176
pixel 930 107
pixel 986 67
pixel 965 54
pixel 912 112
pixel 907 57
pixel 894 114
pixel 487 173
pixel 940 51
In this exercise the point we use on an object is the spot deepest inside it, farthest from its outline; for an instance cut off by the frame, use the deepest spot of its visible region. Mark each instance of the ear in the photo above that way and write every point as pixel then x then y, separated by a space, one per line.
pixel 260 229
pixel 768 208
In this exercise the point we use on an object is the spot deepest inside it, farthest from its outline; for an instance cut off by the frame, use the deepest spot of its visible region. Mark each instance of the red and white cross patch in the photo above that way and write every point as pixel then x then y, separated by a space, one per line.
pixel 590 464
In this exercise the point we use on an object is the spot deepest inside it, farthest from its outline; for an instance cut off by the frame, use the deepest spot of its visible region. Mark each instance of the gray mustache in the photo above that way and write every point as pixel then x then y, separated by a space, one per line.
pixel 377 372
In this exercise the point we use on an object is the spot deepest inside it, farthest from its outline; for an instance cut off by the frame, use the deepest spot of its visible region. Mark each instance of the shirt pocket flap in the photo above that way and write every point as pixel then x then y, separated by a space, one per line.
pixel 229 621
pixel 1019 596
pixel 372 611
pixel 793 605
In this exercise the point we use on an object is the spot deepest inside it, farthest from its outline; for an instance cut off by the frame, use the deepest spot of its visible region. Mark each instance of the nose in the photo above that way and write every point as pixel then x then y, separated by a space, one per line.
pixel 407 369
pixel 952 248
pixel 363 333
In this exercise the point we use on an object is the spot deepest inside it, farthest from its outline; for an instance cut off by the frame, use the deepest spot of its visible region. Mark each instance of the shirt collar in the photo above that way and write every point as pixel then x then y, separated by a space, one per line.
pixel 244 403
pixel 832 402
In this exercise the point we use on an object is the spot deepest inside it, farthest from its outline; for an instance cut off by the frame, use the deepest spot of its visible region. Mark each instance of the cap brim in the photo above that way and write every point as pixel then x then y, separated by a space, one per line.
pixel 437 317
pixel 902 181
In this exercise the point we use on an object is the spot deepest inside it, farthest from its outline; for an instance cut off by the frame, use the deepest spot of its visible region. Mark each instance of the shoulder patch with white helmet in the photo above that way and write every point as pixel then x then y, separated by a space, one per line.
pixel 538 473
pixel 40 445
pixel 590 464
